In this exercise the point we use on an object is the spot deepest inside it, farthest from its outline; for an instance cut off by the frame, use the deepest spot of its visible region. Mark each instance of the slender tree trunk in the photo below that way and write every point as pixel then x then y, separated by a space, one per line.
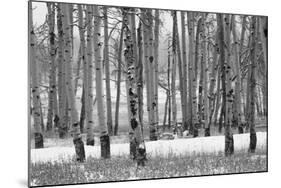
pixel 79 58
pixel 77 139
pixel 174 70
pixel 88 76
pixel 82 51
pixel 169 89
pixel 253 53
pixel 156 62
pixel 148 65
pixel 38 136
pixel 63 115
pixel 139 75
pixel 104 138
pixel 229 143
pixel 263 32
pixel 136 135
pixel 107 73
pixel 186 117
pixel 238 74
pixel 192 76
pixel 52 73
pixel 118 80
pixel 205 73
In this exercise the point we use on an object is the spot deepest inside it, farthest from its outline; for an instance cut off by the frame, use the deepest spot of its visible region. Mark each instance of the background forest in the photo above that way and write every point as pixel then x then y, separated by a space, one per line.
pixel 103 76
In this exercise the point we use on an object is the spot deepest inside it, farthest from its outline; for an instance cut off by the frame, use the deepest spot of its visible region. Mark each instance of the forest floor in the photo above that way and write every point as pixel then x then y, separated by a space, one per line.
pixel 166 158
pixel 120 168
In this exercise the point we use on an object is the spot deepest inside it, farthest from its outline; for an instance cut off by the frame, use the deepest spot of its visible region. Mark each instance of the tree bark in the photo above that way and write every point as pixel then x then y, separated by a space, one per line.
pixel 252 92
pixel 118 80
pixel 63 115
pixel 77 139
pixel 104 138
pixel 38 136
pixel 88 78
pixel 107 73
pixel 136 134
pixel 229 143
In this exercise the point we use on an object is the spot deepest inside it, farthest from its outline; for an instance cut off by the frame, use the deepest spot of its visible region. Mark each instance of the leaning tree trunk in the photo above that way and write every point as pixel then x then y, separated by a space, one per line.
pixel 107 73
pixel 136 136
pixel 251 119
pixel 119 68
pixel 229 143
pixel 104 138
pixel 38 136
pixel 63 115
pixel 77 139
pixel 263 35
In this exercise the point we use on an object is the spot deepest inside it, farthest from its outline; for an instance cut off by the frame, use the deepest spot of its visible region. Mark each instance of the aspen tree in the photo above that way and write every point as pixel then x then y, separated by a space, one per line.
pixel 174 71
pixel 119 78
pixel 77 139
pixel 88 78
pixel 238 74
pixel 148 65
pixel 252 85
pixel 38 136
pixel 63 112
pixel 156 63
pixel 191 74
pixel 136 135
pixel 263 35
pixel 52 107
pixel 107 73
pixel 229 143
pixel 104 138
pixel 186 116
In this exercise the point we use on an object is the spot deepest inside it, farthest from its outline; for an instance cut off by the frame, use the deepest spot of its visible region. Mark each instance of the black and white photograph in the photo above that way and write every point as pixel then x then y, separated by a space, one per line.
pixel 120 93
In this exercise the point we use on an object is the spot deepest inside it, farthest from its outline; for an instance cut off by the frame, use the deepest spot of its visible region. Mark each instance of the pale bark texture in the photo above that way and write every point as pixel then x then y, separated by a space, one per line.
pixel 156 62
pixel 104 138
pixel 52 107
pixel 88 77
pixel 118 80
pixel 63 113
pixel 252 85
pixel 38 136
pixel 77 139
pixel 136 136
pixel 229 143
pixel 237 114
pixel 191 75
pixel 148 65
pixel 186 117
pixel 107 73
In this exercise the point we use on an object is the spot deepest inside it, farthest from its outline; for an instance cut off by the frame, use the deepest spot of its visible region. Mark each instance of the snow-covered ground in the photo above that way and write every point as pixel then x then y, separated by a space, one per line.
pixel 160 147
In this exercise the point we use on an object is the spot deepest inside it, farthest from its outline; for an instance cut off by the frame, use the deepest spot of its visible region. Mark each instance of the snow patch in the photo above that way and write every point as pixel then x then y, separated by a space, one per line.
pixel 161 147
